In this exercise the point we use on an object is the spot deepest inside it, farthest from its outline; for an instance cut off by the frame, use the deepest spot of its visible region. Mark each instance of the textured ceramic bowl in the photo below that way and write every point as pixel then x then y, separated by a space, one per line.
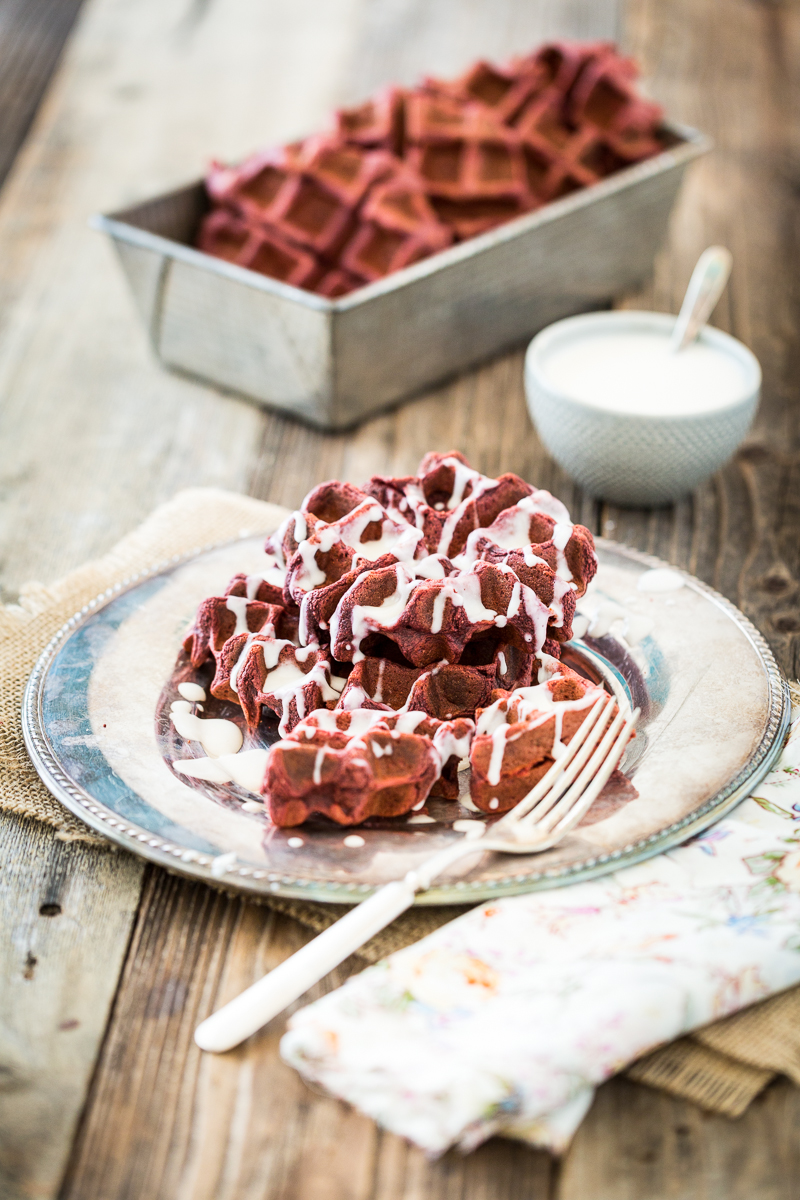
pixel 631 458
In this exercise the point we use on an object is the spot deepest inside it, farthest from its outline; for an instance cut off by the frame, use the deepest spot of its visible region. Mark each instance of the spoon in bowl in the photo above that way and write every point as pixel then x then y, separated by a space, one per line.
pixel 705 288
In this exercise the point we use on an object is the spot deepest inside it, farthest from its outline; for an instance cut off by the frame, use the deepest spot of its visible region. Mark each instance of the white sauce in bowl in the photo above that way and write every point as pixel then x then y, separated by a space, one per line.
pixel 636 372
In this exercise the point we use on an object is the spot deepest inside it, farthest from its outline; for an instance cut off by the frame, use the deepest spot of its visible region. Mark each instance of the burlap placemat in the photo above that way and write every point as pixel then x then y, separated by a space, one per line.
pixel 722 1067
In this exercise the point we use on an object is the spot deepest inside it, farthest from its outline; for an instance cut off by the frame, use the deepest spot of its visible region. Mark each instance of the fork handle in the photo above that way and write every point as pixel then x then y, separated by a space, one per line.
pixel 262 1001
pixel 257 1005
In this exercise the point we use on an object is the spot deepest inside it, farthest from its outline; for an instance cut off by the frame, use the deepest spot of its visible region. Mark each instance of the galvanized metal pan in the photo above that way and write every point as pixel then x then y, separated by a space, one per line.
pixel 715 710
pixel 335 362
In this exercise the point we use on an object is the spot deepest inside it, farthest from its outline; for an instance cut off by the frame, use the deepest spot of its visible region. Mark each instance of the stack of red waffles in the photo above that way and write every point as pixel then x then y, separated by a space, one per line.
pixel 411 171
pixel 398 629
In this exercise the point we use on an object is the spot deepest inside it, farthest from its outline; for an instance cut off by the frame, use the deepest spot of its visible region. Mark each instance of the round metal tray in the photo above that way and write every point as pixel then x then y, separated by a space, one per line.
pixel 714 712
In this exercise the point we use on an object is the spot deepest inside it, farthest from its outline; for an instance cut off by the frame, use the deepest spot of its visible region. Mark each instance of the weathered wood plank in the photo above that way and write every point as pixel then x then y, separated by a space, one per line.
pixel 32 34
pixel 638 1142
pixel 65 916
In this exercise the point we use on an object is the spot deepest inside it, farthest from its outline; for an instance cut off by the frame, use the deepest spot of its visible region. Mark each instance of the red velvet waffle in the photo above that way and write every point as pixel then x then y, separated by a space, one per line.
pixel 431 620
pixel 308 195
pixel 446 690
pixel 604 97
pixel 587 122
pixel 502 90
pixel 461 151
pixel 397 226
pixel 259 587
pixel 406 606
pixel 226 235
pixel 360 572
pixel 402 175
pixel 221 617
pixel 469 516
pixel 516 736
pixel 377 124
pixel 362 537
pixel 250 188
pixel 374 251
pixel 352 766
pixel 447 499
pixel 290 680
pixel 316 206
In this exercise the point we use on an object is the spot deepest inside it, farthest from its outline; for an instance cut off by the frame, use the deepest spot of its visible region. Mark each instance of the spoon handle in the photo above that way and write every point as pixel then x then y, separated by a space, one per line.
pixel 705 288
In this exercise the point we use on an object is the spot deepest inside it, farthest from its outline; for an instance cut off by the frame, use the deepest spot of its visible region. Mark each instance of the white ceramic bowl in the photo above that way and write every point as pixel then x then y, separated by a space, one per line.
pixel 631 458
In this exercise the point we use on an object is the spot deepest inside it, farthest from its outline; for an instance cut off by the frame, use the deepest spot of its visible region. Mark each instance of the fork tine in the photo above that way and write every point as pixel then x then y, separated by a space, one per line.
pixel 577 801
pixel 585 739
pixel 600 780
pixel 590 769
pixel 543 787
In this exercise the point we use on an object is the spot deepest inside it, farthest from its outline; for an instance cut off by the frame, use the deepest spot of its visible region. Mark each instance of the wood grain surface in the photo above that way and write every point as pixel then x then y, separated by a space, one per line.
pixel 65 918
pixel 148 91
pixel 32 34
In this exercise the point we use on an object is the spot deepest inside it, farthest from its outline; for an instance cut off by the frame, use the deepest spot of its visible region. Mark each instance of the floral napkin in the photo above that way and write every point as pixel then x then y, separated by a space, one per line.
pixel 505 1020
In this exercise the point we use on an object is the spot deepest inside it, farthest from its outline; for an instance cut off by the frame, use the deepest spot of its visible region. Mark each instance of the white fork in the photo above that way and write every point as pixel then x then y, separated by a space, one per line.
pixel 538 822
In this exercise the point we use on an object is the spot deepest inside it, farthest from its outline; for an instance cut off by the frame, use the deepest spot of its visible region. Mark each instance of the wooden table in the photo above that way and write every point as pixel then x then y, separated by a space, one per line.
pixel 107 964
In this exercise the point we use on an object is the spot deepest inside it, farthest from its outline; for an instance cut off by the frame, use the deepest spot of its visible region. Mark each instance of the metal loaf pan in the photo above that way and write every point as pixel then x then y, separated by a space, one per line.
pixel 335 362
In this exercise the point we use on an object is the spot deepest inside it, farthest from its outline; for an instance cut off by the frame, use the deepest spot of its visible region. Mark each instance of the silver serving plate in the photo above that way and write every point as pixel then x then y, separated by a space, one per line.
pixel 715 710
pixel 334 362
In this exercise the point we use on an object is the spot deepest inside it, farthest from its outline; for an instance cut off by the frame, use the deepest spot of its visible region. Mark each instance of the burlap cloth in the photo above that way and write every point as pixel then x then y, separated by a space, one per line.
pixel 721 1067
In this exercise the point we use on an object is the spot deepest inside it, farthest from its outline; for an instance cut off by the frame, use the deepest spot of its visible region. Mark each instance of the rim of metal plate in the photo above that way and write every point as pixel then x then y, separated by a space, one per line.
pixel 260 882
